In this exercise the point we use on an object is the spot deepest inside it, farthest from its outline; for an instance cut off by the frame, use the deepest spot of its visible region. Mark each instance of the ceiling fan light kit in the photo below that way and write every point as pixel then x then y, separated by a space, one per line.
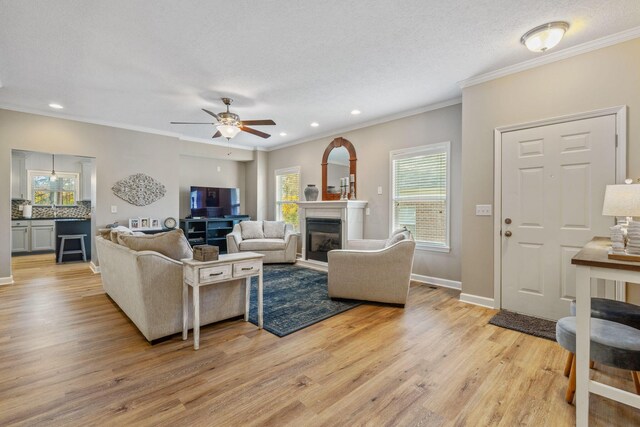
pixel 544 37
pixel 229 124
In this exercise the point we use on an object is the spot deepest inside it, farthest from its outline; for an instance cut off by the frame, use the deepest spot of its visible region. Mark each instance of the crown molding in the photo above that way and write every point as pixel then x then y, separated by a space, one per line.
pixel 123 126
pixel 383 119
pixel 548 58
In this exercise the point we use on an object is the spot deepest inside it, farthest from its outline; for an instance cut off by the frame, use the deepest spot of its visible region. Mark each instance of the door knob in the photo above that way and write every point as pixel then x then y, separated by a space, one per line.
pixel 507 220
pixel 507 233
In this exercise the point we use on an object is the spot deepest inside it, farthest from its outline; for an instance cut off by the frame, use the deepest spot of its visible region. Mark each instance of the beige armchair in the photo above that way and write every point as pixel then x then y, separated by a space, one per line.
pixel 373 270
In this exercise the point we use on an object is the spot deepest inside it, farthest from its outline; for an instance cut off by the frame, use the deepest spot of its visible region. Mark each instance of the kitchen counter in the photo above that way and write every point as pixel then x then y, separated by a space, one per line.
pixel 54 218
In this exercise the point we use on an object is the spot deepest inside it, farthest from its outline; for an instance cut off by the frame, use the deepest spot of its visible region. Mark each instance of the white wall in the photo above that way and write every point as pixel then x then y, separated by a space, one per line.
pixel 603 78
pixel 373 145
pixel 118 153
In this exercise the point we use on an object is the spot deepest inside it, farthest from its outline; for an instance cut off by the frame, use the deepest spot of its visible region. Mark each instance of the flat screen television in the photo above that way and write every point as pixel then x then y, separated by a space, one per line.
pixel 214 202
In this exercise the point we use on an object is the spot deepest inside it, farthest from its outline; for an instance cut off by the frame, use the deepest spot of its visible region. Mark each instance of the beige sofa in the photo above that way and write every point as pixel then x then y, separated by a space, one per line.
pixel 147 286
pixel 373 270
pixel 276 240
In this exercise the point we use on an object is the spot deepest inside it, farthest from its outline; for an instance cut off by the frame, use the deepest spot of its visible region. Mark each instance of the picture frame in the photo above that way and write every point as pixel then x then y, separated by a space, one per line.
pixel 155 223
pixel 144 223
pixel 134 223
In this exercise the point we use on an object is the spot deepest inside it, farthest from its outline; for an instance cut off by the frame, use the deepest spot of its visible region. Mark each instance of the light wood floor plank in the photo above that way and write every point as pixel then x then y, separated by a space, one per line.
pixel 69 356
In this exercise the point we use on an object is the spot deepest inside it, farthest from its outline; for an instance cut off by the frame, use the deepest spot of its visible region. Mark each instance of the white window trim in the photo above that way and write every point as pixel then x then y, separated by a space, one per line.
pixel 31 173
pixel 286 171
pixel 410 152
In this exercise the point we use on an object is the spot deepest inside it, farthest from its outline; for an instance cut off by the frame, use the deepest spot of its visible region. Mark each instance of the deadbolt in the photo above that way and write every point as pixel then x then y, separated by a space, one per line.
pixel 507 233
pixel 507 220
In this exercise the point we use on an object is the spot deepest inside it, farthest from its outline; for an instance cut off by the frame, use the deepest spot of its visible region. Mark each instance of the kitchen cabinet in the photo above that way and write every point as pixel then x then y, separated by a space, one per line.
pixel 18 176
pixel 43 236
pixel 20 238
pixel 85 180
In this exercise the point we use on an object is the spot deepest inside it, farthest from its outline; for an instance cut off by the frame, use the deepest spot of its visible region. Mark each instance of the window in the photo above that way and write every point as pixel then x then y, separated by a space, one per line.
pixel 420 194
pixel 287 194
pixel 61 192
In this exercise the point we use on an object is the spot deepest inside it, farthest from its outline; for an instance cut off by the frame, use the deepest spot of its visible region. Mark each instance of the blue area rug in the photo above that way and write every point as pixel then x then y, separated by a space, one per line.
pixel 294 298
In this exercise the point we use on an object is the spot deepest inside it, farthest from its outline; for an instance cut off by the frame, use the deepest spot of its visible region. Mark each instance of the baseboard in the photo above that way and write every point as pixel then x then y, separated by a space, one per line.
pixel 6 280
pixel 94 268
pixel 477 300
pixel 316 265
pixel 443 283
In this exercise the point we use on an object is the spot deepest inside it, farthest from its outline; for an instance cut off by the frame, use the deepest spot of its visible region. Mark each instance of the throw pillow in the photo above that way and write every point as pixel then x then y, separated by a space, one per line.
pixel 171 243
pixel 119 230
pixel 274 229
pixel 395 239
pixel 105 233
pixel 398 231
pixel 251 230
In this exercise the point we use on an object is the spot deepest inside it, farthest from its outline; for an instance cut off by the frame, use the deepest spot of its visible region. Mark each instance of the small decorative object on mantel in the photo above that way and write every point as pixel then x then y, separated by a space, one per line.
pixel 352 192
pixel 205 253
pixel 139 189
pixel 311 193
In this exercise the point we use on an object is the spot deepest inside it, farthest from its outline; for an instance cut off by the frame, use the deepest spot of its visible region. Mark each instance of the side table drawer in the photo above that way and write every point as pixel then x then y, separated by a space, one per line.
pixel 215 274
pixel 247 268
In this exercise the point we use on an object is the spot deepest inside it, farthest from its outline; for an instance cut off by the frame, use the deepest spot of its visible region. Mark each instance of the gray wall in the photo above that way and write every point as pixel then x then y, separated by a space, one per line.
pixel 118 153
pixel 603 78
pixel 373 145
pixel 256 184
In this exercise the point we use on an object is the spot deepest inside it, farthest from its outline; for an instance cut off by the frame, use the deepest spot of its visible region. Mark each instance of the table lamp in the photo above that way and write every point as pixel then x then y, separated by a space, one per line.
pixel 621 201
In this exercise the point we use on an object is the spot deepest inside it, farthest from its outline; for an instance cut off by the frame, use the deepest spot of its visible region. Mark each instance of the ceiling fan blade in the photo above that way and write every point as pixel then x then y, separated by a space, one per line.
pixel 255 132
pixel 213 114
pixel 191 123
pixel 259 122
pixel 216 135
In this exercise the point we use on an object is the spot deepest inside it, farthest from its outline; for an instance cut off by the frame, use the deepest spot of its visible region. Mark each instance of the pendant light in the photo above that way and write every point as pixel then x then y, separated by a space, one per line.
pixel 53 177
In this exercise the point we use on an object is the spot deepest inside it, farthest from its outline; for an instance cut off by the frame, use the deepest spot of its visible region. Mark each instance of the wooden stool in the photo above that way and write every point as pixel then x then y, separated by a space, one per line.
pixel 66 237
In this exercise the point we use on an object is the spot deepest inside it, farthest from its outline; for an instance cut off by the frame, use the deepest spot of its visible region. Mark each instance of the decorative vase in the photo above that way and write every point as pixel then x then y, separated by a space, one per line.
pixel 311 193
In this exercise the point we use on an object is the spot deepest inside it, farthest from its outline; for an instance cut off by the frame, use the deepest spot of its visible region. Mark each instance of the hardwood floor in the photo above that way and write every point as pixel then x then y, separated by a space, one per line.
pixel 68 356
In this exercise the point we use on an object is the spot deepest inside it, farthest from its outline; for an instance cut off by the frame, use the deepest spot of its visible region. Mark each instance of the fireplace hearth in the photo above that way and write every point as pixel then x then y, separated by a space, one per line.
pixel 323 235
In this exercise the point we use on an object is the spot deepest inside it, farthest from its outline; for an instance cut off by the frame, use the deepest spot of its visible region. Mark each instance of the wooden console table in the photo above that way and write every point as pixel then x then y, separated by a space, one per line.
pixel 243 265
pixel 592 262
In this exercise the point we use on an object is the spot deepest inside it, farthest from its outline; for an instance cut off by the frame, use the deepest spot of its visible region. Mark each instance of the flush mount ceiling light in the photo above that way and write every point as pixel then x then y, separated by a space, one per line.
pixel 56 106
pixel 544 37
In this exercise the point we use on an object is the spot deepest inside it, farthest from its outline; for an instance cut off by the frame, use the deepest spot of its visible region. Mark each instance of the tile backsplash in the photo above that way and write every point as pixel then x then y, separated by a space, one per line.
pixel 81 210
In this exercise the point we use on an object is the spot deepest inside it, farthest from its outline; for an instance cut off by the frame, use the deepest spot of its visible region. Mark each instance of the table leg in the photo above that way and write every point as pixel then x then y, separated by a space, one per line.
pixel 185 310
pixel 247 296
pixel 260 310
pixel 196 317
pixel 583 341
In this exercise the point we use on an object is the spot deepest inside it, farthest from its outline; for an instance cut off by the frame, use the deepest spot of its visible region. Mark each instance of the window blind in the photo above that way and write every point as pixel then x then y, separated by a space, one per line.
pixel 287 193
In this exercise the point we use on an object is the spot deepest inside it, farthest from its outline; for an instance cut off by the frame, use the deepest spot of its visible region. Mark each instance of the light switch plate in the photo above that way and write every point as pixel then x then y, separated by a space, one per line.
pixel 114 209
pixel 379 189
pixel 483 210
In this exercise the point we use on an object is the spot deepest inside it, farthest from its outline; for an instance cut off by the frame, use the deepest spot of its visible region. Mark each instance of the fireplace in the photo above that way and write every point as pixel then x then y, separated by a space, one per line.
pixel 323 235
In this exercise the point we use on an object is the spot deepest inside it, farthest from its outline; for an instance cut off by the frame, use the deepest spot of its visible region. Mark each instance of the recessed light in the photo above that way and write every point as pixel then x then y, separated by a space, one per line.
pixel 355 112
pixel 314 125
pixel 283 134
pixel 56 106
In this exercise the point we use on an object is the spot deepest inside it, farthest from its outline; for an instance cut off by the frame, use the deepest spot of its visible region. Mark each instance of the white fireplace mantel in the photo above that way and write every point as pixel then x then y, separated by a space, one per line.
pixel 350 212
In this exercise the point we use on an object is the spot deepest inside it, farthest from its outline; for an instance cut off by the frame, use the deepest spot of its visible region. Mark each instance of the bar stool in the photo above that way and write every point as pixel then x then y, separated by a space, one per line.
pixel 66 237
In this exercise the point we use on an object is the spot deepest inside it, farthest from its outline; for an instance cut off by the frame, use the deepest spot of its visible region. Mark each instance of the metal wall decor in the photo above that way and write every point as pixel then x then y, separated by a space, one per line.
pixel 139 189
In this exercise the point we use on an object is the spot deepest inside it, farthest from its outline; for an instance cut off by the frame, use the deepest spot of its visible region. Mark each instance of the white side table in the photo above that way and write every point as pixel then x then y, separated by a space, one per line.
pixel 592 262
pixel 242 265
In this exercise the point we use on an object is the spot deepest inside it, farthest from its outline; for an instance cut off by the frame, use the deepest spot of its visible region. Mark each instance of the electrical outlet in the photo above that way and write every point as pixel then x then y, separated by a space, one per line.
pixel 367 211
pixel 114 209
pixel 483 210
pixel 379 189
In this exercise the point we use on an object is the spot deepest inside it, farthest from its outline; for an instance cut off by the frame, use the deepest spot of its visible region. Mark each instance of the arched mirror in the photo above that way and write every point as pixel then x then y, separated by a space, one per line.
pixel 338 161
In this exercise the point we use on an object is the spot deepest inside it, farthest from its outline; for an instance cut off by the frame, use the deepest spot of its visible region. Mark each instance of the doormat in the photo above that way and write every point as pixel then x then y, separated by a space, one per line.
pixel 529 325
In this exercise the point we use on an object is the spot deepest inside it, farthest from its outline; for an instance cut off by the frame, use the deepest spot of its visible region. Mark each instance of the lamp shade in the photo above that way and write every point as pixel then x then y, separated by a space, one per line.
pixel 228 131
pixel 622 200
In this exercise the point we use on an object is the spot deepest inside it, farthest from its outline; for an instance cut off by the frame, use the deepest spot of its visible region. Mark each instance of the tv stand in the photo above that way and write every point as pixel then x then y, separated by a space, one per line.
pixel 210 231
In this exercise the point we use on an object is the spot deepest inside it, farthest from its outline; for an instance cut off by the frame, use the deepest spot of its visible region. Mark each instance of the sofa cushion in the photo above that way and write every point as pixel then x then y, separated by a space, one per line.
pixel 273 229
pixel 116 231
pixel 251 230
pixel 399 237
pixel 171 243
pixel 262 245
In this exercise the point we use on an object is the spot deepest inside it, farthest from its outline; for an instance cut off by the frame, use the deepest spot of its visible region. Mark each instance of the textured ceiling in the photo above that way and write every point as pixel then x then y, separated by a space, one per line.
pixel 146 63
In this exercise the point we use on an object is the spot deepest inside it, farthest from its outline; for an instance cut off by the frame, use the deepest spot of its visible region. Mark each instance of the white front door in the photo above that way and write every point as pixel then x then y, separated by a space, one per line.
pixel 553 182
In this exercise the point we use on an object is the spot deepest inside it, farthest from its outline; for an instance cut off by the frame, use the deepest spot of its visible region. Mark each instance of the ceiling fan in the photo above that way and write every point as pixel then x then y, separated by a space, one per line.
pixel 229 124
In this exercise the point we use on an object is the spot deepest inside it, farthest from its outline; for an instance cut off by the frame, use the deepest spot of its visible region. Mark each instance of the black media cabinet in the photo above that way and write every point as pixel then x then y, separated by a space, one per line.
pixel 210 231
